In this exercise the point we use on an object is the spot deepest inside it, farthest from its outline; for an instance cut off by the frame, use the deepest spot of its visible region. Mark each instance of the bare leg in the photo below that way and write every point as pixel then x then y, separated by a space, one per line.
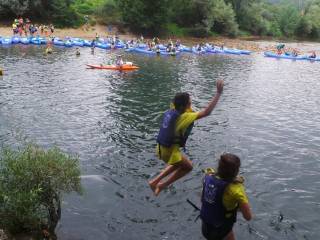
pixel 165 172
pixel 230 236
pixel 183 167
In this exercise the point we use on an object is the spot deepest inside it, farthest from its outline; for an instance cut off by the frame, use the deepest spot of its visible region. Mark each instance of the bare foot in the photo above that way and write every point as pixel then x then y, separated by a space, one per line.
pixel 153 185
pixel 158 189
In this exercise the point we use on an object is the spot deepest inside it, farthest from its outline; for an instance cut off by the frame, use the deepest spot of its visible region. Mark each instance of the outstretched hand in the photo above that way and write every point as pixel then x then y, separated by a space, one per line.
pixel 220 86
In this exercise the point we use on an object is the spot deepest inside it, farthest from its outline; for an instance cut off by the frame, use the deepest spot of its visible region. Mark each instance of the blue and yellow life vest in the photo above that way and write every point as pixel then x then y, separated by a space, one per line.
pixel 166 136
pixel 213 211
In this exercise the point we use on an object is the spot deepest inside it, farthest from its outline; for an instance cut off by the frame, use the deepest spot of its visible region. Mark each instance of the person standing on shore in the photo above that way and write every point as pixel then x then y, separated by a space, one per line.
pixel 176 126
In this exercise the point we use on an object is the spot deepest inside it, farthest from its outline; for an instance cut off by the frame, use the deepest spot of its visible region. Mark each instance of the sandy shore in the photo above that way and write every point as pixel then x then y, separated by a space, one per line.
pixel 253 44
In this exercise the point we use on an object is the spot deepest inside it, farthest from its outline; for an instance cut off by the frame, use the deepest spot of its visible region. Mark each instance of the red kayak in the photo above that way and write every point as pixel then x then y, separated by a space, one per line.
pixel 114 67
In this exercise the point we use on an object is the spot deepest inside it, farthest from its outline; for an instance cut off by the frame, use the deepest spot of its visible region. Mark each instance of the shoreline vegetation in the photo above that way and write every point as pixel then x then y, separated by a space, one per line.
pixel 280 19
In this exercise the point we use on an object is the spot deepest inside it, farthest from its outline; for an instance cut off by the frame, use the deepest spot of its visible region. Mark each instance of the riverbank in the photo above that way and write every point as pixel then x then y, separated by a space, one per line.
pixel 255 44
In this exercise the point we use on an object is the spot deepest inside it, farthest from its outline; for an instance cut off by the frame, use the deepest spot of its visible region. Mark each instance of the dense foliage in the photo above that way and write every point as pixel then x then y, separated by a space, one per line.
pixel 278 18
pixel 31 183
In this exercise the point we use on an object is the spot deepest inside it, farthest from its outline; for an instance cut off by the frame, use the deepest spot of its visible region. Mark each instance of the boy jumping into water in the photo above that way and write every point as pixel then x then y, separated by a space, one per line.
pixel 176 126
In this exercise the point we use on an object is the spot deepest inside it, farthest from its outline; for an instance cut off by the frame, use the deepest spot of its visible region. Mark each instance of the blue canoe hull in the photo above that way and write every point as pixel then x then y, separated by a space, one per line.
pixel 283 56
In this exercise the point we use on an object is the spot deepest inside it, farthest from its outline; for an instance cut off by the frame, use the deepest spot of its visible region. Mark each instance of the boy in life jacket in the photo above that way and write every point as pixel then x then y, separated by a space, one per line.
pixel 175 127
pixel 222 195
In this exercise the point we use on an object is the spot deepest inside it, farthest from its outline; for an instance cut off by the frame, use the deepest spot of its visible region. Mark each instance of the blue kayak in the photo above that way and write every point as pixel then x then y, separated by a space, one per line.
pixel 6 41
pixel 145 51
pixel 15 39
pixel 68 43
pixel 196 51
pixel 161 47
pixel 58 42
pixel 246 52
pixel 214 50
pixel 183 48
pixel 150 52
pixel 142 45
pixel 284 56
pixel 38 40
pixel 25 40
pixel 313 59
pixel 78 43
pixel 87 43
pixel 102 45
pixel 231 51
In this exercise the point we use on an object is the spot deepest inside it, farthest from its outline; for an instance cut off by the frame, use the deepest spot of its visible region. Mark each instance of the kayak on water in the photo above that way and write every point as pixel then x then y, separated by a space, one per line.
pixel 284 56
pixel 312 59
pixel 114 67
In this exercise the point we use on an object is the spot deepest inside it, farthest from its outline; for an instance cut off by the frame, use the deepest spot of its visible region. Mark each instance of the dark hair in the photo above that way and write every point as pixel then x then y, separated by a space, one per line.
pixel 181 101
pixel 229 165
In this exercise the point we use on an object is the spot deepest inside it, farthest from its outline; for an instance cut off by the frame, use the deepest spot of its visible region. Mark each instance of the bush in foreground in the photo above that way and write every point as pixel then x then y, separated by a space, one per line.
pixel 32 181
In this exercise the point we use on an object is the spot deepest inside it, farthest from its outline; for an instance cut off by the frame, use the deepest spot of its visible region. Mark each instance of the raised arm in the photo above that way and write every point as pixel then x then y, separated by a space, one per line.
pixel 206 112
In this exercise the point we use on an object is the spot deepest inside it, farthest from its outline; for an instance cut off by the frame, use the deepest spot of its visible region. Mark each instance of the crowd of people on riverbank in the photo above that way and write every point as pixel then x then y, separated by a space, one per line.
pixel 25 27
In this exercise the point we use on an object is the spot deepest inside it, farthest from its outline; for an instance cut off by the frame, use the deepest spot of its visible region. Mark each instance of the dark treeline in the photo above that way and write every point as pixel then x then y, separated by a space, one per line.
pixel 200 18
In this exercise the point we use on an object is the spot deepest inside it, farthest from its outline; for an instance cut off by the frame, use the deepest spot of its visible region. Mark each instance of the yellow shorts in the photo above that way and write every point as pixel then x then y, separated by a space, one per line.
pixel 171 155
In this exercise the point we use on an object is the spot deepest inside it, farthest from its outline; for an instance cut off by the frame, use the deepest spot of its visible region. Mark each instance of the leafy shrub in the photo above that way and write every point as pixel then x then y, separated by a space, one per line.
pixel 32 181
pixel 223 18
pixel 108 13
pixel 199 31
pixel 174 30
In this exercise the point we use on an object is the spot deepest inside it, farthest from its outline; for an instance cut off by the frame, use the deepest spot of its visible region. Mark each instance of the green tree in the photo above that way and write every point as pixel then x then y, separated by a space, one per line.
pixel 223 18
pixel 288 20
pixel 146 16
pixel 32 181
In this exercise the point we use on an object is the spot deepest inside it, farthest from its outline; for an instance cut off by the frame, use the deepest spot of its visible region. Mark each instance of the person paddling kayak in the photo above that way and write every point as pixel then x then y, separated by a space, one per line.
pixel 175 128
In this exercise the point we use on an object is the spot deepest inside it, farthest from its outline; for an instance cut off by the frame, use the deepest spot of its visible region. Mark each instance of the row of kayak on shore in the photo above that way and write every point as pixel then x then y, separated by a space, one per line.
pixel 160 49
pixel 138 48
pixel 68 42
pixel 163 50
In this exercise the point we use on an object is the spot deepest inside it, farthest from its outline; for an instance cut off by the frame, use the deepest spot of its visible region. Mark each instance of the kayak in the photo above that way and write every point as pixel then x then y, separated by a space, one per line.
pixel 284 56
pixel 140 50
pixel 183 48
pixel 313 59
pixel 6 41
pixel 196 51
pixel 246 52
pixel 214 50
pixel 15 40
pixel 77 43
pixel 150 52
pixel 58 42
pixel 231 51
pixel 125 67
pixel 68 43
pixel 25 40
pixel 103 45
pixel 87 43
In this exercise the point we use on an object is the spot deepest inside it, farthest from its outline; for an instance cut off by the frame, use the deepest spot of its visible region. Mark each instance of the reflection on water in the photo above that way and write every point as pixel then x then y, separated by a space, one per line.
pixel 268 115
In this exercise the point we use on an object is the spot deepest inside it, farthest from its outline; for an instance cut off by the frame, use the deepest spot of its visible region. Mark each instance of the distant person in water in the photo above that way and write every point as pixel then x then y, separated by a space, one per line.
pixel 223 194
pixel 77 52
pixel 313 55
pixel 176 125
